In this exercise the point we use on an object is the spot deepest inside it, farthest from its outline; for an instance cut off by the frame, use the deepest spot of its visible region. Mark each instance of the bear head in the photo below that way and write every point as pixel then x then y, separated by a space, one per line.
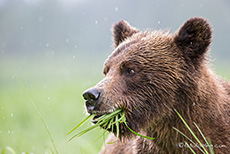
pixel 150 73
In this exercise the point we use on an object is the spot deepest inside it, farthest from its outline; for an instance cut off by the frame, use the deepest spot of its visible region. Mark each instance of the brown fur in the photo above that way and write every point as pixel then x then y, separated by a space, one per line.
pixel 150 74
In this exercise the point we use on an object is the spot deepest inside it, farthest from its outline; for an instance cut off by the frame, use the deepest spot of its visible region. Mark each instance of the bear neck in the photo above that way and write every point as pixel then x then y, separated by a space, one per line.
pixel 194 105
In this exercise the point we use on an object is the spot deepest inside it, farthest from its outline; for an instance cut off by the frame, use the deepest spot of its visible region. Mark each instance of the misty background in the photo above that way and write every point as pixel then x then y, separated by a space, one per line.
pixel 30 27
pixel 57 48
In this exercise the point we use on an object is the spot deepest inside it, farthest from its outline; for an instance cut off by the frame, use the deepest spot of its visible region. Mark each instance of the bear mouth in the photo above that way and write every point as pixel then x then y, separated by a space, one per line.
pixel 96 118
pixel 108 120
pixel 115 122
pixel 99 114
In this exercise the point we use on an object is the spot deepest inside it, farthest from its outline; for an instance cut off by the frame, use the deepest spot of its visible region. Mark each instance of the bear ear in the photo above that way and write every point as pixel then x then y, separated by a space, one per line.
pixel 122 30
pixel 194 38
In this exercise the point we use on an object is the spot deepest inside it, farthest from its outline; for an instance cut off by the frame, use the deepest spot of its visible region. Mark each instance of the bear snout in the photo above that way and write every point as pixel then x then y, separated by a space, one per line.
pixel 91 97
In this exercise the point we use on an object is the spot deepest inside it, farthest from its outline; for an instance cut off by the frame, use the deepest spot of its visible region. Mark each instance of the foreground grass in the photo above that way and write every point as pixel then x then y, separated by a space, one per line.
pixel 201 146
pixel 21 127
pixel 56 89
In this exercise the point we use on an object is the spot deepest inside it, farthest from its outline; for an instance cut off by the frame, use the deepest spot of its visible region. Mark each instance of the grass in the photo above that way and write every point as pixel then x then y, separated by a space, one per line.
pixel 56 89
pixel 40 116
pixel 7 150
pixel 114 119
pixel 107 122
pixel 201 146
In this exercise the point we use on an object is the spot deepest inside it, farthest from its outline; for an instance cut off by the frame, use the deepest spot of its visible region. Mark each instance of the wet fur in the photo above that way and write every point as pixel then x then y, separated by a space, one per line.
pixel 171 72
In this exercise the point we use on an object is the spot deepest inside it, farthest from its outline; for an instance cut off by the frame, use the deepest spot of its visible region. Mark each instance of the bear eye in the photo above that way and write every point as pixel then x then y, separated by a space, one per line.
pixel 106 70
pixel 129 71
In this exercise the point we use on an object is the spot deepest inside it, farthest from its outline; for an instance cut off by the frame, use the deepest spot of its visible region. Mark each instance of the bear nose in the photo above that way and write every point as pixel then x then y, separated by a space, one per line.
pixel 91 96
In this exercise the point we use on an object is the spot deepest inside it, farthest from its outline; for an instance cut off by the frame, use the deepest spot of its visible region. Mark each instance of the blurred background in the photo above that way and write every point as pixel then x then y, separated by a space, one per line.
pixel 56 49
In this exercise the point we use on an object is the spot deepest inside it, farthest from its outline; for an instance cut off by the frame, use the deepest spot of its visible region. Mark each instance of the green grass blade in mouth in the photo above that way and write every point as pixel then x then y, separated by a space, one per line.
pixel 79 124
pixel 101 136
pixel 116 122
pixel 83 132
pixel 107 122
pixel 112 127
pixel 117 125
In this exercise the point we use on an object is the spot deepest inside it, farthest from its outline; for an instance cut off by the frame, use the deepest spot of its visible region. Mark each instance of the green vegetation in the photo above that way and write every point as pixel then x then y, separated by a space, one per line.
pixel 201 146
pixel 110 121
pixel 55 87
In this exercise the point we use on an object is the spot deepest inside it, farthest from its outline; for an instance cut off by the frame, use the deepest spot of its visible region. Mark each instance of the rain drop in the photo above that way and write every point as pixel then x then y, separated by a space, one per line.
pixel 48 98
pixel 193 103
pixel 47 44
pixel 75 46
pixel 116 8
pixel 13 76
pixel 44 86
pixel 41 19
pixel 8 131
pixel 201 5
pixel 96 22
pixel 11 114
pixel 158 22
pixel 73 57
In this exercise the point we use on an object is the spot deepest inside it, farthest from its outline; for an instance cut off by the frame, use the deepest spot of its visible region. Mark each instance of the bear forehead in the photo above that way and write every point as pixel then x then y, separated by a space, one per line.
pixel 148 43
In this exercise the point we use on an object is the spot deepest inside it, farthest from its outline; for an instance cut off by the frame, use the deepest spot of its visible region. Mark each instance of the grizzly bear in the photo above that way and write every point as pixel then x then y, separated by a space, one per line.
pixel 149 75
